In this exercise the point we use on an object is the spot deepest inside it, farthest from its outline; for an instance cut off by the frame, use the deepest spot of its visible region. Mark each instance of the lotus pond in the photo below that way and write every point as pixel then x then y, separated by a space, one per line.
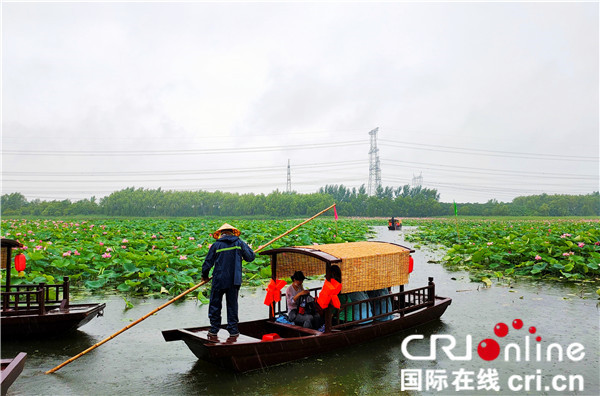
pixel 152 257
pixel 552 249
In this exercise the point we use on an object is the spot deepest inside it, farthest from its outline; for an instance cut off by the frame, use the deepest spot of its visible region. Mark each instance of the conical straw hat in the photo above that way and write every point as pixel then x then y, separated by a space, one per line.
pixel 226 226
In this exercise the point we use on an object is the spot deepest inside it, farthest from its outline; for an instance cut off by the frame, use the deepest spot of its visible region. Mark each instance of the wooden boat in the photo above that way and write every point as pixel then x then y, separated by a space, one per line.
pixel 267 342
pixel 11 369
pixel 394 224
pixel 39 309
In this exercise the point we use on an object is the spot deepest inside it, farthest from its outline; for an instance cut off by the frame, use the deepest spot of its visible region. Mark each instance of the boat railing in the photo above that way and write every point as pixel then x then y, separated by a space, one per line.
pixel 400 303
pixel 35 297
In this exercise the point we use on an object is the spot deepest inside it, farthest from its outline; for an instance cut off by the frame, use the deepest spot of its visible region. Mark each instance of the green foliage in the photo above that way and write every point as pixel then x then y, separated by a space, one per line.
pixel 404 201
pixel 150 256
pixel 555 249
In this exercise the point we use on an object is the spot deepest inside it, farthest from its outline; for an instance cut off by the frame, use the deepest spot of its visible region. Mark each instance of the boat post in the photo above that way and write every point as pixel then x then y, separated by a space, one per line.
pixel 8 267
pixel 274 277
pixel 431 290
pixel 402 300
pixel 328 313
pixel 65 300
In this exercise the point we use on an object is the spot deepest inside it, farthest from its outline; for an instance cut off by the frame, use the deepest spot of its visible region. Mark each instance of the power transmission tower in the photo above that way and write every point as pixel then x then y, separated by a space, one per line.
pixel 417 181
pixel 374 164
pixel 289 179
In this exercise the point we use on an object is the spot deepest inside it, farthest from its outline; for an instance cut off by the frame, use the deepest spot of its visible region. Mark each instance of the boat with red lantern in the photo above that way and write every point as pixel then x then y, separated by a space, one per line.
pixel 365 266
pixel 11 369
pixel 38 309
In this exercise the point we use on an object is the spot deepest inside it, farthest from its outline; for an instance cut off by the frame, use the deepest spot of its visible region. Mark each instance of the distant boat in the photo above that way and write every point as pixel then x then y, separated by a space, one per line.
pixel 394 224
pixel 11 369
pixel 267 342
pixel 38 310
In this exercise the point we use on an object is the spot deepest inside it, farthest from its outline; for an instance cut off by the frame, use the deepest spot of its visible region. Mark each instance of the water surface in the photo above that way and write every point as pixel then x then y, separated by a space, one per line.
pixel 139 361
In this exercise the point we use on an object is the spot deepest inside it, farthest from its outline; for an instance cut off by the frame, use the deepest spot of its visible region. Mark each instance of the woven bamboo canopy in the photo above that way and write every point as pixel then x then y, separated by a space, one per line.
pixel 364 265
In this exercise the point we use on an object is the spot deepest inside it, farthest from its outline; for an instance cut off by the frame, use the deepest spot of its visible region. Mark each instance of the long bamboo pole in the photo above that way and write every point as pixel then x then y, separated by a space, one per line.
pixel 292 229
pixel 172 300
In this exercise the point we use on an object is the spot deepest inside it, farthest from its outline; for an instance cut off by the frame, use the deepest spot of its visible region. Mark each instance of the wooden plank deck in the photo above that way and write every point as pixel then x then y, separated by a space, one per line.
pixel 223 337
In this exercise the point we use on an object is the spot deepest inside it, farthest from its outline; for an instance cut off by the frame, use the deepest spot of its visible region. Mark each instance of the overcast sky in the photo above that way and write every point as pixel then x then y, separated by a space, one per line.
pixel 484 100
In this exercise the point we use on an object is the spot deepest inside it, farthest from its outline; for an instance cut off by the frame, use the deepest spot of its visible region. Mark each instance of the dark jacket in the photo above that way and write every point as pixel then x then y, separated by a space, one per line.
pixel 226 256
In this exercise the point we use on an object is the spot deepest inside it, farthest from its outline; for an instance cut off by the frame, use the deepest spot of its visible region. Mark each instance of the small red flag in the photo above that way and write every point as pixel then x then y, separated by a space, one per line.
pixel 334 212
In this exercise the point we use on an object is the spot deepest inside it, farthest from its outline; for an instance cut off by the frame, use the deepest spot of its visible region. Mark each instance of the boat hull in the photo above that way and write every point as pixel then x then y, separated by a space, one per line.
pixel 248 352
pixel 11 369
pixel 55 321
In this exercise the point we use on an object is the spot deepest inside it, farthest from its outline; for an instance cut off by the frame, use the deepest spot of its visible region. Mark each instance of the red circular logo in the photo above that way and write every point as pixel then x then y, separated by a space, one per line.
pixel 488 349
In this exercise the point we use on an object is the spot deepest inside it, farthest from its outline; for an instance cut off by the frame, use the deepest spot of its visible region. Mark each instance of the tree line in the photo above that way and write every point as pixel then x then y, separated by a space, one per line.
pixel 404 201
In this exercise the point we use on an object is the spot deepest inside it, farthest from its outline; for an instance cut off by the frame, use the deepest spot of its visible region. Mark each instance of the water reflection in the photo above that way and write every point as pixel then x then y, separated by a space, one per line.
pixel 54 345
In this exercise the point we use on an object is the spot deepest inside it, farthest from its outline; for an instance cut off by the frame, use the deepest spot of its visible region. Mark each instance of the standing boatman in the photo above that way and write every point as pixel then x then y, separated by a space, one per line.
pixel 226 256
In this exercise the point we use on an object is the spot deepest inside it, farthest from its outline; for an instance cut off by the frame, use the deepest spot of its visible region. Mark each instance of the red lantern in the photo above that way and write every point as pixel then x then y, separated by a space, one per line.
pixel 411 264
pixel 20 262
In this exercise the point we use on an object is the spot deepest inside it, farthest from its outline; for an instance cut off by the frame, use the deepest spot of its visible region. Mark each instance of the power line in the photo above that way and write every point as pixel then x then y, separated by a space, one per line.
pixel 490 153
pixel 317 165
pixel 97 153
pixel 501 171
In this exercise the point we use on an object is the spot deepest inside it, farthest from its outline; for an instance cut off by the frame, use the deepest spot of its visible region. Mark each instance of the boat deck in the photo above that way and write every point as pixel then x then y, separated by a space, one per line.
pixel 222 337
pixel 282 329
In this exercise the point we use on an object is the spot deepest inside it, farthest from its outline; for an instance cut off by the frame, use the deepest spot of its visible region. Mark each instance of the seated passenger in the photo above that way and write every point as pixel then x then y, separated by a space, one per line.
pixel 301 305
pixel 358 311
pixel 381 306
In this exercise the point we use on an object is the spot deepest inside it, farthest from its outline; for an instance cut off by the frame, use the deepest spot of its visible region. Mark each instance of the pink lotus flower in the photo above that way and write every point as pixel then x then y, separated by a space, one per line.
pixel 153 236
pixel 123 247
pixel 490 243
pixel 199 246
pixel 182 257
pixel 76 253
pixel 109 249
pixel 581 244
pixel 538 257
pixel 39 247
pixel 66 254
pixel 106 255
pixel 178 237
pixel 124 241
pixel 192 238
pixel 101 243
